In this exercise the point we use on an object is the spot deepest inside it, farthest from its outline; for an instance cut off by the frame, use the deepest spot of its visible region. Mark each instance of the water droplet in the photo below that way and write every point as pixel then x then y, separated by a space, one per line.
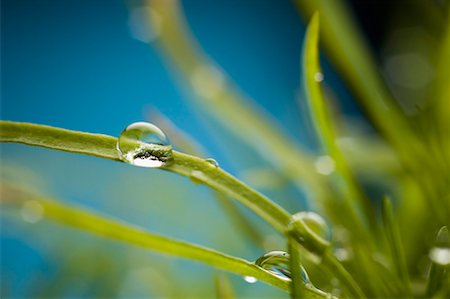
pixel 145 145
pixel 207 81
pixel 315 222
pixel 277 263
pixel 212 162
pixel 440 255
pixel 342 254
pixel 197 177
pixel 318 77
pixel 325 165
pixel 250 279
pixel 32 211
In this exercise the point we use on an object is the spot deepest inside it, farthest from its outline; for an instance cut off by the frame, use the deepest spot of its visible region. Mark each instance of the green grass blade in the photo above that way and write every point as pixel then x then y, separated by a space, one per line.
pixel 223 286
pixel 252 125
pixel 121 231
pixel 322 119
pixel 105 147
pixel 395 244
pixel 348 51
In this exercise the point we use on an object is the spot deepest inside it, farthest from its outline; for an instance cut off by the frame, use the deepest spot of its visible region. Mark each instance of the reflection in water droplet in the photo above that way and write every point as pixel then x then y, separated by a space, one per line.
pixel 440 255
pixel 315 222
pixel 325 165
pixel 250 279
pixel 32 211
pixel 318 77
pixel 144 144
pixel 212 162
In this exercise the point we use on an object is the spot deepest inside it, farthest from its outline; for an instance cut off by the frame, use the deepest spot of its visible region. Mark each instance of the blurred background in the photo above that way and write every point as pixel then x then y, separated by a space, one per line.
pixel 96 66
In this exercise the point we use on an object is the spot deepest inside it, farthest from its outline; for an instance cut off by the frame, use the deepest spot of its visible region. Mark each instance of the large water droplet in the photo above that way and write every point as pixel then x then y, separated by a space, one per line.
pixel 277 262
pixel 145 145
pixel 315 222
pixel 250 279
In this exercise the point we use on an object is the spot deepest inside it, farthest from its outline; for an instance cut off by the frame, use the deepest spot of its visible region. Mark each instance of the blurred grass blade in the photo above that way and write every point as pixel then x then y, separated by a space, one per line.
pixel 133 235
pixel 347 50
pixel 223 286
pixel 438 272
pixel 395 243
pixel 187 144
pixel 226 104
pixel 322 119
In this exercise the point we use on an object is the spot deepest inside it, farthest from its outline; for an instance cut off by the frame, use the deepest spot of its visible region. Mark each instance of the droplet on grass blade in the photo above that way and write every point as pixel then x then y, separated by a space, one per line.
pixel 250 279
pixel 315 222
pixel 325 165
pixel 145 145
pixel 440 255
pixel 212 162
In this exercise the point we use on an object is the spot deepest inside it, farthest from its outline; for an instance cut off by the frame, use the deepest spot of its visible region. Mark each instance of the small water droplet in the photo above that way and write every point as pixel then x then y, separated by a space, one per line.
pixel 342 254
pixel 250 279
pixel 315 222
pixel 197 177
pixel 212 162
pixel 318 77
pixel 145 145
pixel 325 165
pixel 32 211
pixel 440 255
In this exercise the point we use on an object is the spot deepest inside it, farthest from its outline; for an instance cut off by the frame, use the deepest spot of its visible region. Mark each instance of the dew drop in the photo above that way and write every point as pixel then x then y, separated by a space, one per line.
pixel 212 162
pixel 32 211
pixel 145 145
pixel 315 222
pixel 197 177
pixel 250 279
pixel 440 255
pixel 325 165
pixel 318 77
pixel 277 263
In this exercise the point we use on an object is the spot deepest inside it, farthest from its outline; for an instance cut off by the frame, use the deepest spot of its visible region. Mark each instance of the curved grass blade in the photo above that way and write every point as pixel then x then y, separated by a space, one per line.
pixel 183 164
pixel 121 231
pixel 105 147
pixel 221 99
pixel 322 119
pixel 347 49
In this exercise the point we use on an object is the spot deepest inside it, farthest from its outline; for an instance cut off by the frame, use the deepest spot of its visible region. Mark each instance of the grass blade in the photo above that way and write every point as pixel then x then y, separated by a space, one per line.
pixel 180 48
pixel 322 120
pixel 436 276
pixel 120 231
pixel 395 244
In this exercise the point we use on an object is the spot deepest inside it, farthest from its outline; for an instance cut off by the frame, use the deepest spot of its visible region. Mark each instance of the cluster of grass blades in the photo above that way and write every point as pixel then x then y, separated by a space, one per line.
pixel 368 246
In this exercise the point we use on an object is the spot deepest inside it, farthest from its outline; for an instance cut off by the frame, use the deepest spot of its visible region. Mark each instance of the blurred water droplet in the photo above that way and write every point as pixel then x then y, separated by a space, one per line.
pixel 440 255
pixel 325 165
pixel 212 162
pixel 144 23
pixel 207 81
pixel 342 254
pixel 197 177
pixel 32 211
pixel 250 279
pixel 145 145
pixel 315 222
pixel 318 77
